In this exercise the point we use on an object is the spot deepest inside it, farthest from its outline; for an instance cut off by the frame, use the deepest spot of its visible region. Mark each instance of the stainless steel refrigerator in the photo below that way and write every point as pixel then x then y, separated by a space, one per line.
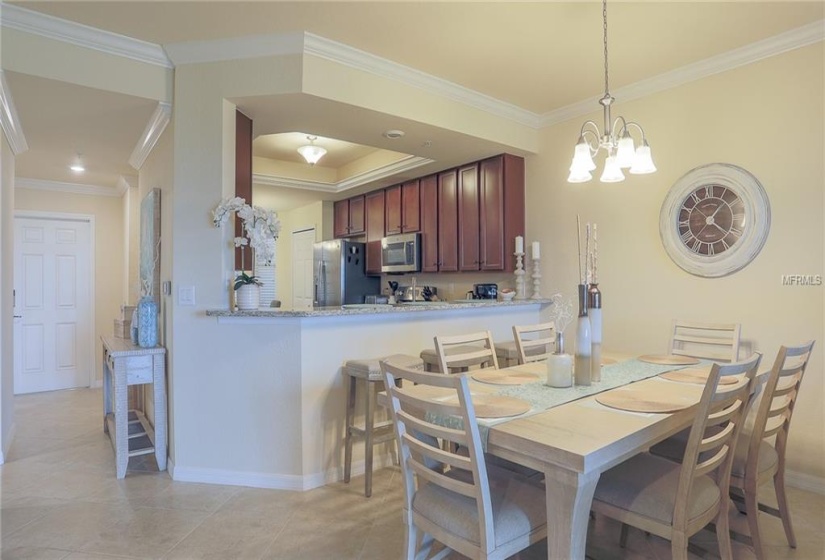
pixel 339 272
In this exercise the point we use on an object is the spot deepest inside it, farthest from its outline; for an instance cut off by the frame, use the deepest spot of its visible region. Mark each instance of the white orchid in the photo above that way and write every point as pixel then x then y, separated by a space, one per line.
pixel 262 226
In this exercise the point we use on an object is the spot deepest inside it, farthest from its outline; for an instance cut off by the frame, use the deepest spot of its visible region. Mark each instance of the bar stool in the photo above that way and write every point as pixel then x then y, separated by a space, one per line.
pixel 430 358
pixel 507 353
pixel 369 373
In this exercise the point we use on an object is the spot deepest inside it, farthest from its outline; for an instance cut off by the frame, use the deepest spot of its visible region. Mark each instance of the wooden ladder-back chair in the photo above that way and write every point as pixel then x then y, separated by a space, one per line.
pixel 710 341
pixel 676 501
pixel 534 343
pixel 476 350
pixel 757 460
pixel 479 510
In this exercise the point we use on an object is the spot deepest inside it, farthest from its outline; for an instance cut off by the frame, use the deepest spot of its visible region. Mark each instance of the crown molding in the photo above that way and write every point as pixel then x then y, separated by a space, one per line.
pixel 367 62
pixel 236 48
pixel 766 48
pixel 30 21
pixel 154 128
pixel 9 120
pixel 405 164
pixel 126 182
pixel 73 188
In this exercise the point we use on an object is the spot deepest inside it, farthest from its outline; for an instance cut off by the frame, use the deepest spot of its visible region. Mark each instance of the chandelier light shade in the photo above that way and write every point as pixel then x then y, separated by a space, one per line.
pixel 616 140
pixel 311 152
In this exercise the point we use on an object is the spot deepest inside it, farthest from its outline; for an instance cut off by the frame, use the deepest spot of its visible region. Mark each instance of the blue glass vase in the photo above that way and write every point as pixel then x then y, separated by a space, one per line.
pixel 147 312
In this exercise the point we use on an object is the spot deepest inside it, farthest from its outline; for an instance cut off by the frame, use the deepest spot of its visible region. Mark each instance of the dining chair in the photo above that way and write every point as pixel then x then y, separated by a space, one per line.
pixel 756 460
pixel 476 509
pixel 466 350
pixel 709 341
pixel 534 343
pixel 676 501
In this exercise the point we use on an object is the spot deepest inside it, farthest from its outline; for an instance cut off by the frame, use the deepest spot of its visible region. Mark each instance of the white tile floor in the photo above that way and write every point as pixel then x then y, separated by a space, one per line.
pixel 60 499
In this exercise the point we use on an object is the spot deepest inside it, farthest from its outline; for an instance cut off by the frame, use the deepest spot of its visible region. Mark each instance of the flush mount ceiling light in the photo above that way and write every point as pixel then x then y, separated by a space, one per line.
pixel 311 152
pixel 616 140
pixel 393 134
pixel 77 166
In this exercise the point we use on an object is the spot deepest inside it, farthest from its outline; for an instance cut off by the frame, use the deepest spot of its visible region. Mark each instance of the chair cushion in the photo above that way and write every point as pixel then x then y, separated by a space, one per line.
pixel 371 369
pixel 518 506
pixel 646 485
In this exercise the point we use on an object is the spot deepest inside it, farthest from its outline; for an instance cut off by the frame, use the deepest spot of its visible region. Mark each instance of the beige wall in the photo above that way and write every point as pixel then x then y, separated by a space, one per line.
pixel 108 215
pixel 766 117
pixel 6 298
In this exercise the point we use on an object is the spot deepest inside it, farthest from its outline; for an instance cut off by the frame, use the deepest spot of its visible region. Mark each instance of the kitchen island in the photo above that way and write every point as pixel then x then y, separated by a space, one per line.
pixel 286 390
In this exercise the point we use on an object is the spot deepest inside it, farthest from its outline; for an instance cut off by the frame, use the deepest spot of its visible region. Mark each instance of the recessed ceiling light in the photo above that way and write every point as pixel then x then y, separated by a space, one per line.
pixel 77 168
pixel 393 134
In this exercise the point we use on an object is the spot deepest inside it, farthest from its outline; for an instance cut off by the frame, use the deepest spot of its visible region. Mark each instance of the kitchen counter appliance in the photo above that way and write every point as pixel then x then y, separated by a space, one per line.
pixel 422 293
pixel 485 291
pixel 340 275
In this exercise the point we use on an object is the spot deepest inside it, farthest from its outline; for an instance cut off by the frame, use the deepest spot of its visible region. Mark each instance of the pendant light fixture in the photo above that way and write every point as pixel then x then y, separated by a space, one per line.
pixel 615 139
pixel 311 152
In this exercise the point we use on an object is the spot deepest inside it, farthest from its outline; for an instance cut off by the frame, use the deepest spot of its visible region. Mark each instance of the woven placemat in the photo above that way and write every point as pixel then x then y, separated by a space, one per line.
pixel 696 375
pixel 669 359
pixel 647 399
pixel 493 406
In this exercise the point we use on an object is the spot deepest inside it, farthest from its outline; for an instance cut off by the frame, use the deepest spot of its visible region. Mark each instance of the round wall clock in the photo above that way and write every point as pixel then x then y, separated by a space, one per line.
pixel 715 220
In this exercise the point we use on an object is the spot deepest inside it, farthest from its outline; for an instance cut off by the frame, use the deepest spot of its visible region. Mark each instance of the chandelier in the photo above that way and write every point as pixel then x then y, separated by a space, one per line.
pixel 311 152
pixel 616 140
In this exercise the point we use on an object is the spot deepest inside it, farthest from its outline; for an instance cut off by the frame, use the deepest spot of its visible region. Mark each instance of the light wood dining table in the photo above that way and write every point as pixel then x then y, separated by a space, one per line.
pixel 573 443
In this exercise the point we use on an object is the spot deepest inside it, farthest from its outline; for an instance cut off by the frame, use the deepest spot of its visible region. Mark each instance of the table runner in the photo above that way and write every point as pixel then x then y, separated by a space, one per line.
pixel 541 397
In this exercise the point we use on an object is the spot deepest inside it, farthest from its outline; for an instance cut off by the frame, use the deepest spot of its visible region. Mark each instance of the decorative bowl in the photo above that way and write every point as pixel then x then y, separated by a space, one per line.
pixel 507 296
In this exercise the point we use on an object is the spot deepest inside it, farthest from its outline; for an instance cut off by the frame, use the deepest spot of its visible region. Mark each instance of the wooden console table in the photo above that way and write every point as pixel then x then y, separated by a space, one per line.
pixel 131 433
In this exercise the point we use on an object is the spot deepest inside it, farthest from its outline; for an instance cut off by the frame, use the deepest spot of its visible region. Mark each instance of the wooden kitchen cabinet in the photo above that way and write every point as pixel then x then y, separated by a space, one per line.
pixel 428 203
pixel 448 221
pixel 374 208
pixel 348 217
pixel 501 210
pixel 402 208
pixel 468 218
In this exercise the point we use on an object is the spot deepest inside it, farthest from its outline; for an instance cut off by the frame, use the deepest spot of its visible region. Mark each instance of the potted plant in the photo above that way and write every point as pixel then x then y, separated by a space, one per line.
pixel 262 228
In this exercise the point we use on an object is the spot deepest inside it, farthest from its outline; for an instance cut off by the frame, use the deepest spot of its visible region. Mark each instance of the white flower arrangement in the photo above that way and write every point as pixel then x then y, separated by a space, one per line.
pixel 261 225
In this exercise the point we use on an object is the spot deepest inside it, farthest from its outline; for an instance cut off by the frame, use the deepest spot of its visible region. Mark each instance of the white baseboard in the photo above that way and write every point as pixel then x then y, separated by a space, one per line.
pixel 807 482
pixel 4 449
pixel 269 480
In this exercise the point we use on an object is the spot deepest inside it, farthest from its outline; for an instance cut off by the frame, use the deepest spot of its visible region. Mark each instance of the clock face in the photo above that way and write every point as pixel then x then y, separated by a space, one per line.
pixel 715 220
pixel 711 220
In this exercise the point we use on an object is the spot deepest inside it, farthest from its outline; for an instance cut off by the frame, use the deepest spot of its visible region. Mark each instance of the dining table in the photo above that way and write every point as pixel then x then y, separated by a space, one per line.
pixel 572 438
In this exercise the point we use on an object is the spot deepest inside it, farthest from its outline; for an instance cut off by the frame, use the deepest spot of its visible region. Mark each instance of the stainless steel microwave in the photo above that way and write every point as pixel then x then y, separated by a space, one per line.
pixel 401 253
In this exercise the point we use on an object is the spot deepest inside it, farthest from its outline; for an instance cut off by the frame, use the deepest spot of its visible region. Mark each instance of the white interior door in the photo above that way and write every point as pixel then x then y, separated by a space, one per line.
pixel 302 283
pixel 53 338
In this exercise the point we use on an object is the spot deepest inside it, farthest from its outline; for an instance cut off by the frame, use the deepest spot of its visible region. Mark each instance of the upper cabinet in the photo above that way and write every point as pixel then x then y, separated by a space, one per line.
pixel 468 217
pixel 402 208
pixel 349 217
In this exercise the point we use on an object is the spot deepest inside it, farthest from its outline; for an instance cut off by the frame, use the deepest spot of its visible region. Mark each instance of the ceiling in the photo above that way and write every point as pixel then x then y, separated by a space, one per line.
pixel 537 56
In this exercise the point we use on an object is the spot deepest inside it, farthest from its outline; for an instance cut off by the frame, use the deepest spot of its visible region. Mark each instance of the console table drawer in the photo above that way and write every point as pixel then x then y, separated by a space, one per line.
pixel 139 369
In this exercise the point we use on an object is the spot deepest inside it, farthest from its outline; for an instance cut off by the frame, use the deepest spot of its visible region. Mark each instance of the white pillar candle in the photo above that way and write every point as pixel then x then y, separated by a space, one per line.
pixel 559 370
pixel 519 244
pixel 536 250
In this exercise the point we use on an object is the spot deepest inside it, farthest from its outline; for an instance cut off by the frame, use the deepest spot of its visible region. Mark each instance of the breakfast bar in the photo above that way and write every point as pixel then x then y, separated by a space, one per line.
pixel 287 366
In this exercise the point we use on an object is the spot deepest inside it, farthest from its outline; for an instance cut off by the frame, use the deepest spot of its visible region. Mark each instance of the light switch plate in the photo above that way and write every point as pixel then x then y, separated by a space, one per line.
pixel 186 295
pixel 167 287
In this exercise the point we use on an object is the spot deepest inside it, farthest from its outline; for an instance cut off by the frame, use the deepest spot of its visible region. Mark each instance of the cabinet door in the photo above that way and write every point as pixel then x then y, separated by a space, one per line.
pixel 429 223
pixel 410 216
pixel 447 221
pixel 356 215
pixel 340 212
pixel 374 203
pixel 491 232
pixel 393 209
pixel 468 212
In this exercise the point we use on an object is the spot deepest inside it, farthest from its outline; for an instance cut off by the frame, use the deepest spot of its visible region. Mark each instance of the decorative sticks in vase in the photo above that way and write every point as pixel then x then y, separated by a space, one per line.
pixel 582 365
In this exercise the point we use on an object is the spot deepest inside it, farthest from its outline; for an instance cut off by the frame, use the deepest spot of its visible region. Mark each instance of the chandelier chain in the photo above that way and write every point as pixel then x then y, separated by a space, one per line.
pixel 606 73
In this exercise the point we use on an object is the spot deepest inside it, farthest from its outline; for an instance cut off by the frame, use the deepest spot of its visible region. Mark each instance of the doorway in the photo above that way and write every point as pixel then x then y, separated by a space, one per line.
pixel 53 305
pixel 303 291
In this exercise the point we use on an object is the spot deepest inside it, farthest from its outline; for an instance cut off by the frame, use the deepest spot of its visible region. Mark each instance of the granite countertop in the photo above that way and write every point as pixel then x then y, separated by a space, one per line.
pixel 368 309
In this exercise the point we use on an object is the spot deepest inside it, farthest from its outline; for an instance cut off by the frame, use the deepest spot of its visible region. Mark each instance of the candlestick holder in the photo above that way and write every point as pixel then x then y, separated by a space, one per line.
pixel 519 272
pixel 536 279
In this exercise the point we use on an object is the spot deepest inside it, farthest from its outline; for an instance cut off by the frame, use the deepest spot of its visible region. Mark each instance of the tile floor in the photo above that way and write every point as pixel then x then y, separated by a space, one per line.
pixel 60 500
